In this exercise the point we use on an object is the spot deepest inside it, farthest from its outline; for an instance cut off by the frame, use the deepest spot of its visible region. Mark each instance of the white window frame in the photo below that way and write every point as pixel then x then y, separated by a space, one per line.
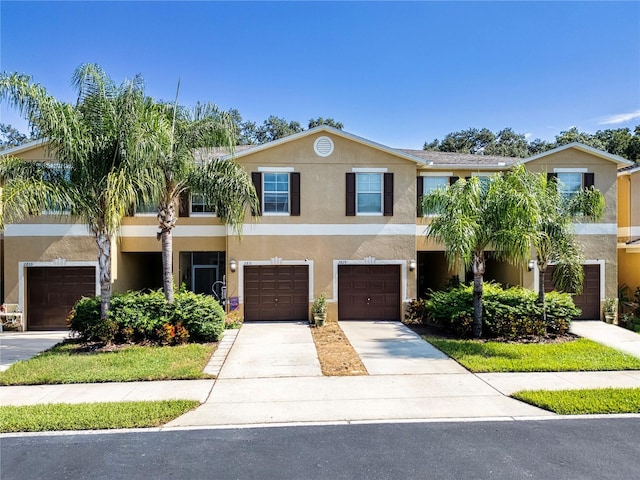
pixel 264 191
pixel 374 171
pixel 569 193
pixel 200 214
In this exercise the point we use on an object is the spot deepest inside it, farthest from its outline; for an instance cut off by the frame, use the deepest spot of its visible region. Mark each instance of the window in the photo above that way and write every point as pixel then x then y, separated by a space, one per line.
pixel 149 209
pixel 57 173
pixel 199 204
pixel 369 193
pixel 275 193
pixel 431 184
pixel 278 190
pixel 569 183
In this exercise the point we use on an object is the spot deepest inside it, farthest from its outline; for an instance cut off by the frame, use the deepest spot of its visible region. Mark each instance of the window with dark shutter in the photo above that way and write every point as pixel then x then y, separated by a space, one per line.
pixel 453 180
pixel 351 195
pixel 388 194
pixel 419 191
pixel 256 178
pixel 551 175
pixel 294 185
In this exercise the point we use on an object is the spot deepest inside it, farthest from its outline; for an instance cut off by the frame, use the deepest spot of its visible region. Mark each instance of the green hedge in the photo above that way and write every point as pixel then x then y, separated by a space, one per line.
pixel 510 313
pixel 147 318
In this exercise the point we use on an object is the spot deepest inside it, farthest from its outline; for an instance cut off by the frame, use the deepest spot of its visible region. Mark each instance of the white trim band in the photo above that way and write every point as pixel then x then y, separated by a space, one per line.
pixel 629 231
pixel 595 228
pixel 178 231
pixel 319 229
pixel 46 230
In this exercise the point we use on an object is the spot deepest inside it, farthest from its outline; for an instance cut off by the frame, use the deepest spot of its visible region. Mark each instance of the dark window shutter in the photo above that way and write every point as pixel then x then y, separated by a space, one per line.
pixel 419 190
pixel 183 209
pixel 294 189
pixel 551 175
pixel 388 195
pixel 256 178
pixel 467 178
pixel 351 195
pixel 453 180
pixel 588 179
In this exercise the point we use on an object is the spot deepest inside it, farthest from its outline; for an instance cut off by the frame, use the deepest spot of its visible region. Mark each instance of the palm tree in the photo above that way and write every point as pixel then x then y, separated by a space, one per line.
pixel 474 215
pixel 101 142
pixel 555 241
pixel 223 183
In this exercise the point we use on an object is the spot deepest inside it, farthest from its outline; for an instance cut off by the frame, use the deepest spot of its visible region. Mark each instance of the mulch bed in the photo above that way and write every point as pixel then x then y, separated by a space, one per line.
pixel 337 356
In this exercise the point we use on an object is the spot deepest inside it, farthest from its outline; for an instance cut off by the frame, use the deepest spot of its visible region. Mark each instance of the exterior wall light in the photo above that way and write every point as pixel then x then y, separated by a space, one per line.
pixel 233 266
pixel 412 265
pixel 531 265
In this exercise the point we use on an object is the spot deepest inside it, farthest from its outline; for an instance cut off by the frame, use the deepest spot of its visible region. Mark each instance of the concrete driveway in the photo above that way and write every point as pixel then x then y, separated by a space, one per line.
pixel 15 346
pixel 272 376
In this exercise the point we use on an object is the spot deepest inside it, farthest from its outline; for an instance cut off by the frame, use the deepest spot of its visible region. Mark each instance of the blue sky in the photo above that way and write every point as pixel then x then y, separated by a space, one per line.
pixel 398 73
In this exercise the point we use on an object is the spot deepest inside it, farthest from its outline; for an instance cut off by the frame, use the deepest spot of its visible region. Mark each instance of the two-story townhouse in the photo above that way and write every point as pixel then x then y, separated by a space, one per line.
pixel 629 227
pixel 338 216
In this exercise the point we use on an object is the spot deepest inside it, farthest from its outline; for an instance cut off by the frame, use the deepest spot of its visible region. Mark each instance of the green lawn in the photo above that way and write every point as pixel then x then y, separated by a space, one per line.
pixel 575 355
pixel 576 402
pixel 65 364
pixel 91 416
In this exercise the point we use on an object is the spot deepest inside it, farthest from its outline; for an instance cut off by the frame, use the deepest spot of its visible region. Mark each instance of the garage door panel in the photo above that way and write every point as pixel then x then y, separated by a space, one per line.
pixel 589 300
pixel 369 292
pixel 279 292
pixel 52 292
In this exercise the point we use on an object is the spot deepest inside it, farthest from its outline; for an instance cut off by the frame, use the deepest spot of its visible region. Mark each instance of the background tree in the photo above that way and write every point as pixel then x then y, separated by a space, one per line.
pixel 11 137
pixel 474 215
pixel 316 122
pixel 223 183
pixel 102 143
pixel 509 143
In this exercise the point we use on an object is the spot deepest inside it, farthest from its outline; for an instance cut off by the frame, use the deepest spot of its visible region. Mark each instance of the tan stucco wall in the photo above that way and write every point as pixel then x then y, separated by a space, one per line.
pixel 322 180
pixel 42 249
pixel 629 268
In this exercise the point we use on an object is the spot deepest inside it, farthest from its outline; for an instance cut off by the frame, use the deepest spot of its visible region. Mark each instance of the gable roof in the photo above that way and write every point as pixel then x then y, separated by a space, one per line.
pixel 629 170
pixel 334 131
pixel 453 159
pixel 25 147
pixel 584 148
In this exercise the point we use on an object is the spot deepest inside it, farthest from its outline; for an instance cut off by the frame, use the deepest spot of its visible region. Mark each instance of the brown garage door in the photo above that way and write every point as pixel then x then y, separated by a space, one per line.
pixel 276 292
pixel 589 300
pixel 369 292
pixel 52 292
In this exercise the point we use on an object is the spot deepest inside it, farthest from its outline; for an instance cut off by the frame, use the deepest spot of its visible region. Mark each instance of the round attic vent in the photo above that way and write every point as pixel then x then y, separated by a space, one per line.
pixel 323 146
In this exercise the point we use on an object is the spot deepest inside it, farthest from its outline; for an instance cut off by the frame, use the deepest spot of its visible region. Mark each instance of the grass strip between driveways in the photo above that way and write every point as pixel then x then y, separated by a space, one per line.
pixel 91 416
pixel 589 401
pixel 574 355
pixel 67 363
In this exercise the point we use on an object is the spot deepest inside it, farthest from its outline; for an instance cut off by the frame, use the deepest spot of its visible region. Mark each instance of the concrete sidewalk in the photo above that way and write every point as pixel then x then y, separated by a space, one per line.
pixel 610 335
pixel 270 374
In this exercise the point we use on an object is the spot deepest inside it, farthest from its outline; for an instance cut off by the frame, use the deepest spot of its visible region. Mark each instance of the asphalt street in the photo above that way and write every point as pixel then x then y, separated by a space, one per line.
pixel 605 448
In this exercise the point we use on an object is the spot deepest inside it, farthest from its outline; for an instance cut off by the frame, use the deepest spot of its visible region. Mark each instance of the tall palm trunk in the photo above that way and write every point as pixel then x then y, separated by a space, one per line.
pixel 167 219
pixel 478 276
pixel 104 271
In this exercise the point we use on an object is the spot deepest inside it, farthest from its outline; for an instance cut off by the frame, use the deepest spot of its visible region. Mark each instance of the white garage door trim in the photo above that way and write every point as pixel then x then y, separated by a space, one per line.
pixel 536 276
pixel 52 263
pixel 273 261
pixel 372 261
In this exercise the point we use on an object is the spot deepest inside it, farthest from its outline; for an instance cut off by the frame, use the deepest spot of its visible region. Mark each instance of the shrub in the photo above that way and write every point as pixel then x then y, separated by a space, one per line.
pixel 510 313
pixel 84 319
pixel 148 318
pixel 201 315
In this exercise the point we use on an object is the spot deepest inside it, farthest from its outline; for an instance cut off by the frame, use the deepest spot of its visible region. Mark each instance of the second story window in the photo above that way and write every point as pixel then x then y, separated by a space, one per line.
pixel 278 190
pixel 569 183
pixel 200 205
pixel 369 193
pixel 275 193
